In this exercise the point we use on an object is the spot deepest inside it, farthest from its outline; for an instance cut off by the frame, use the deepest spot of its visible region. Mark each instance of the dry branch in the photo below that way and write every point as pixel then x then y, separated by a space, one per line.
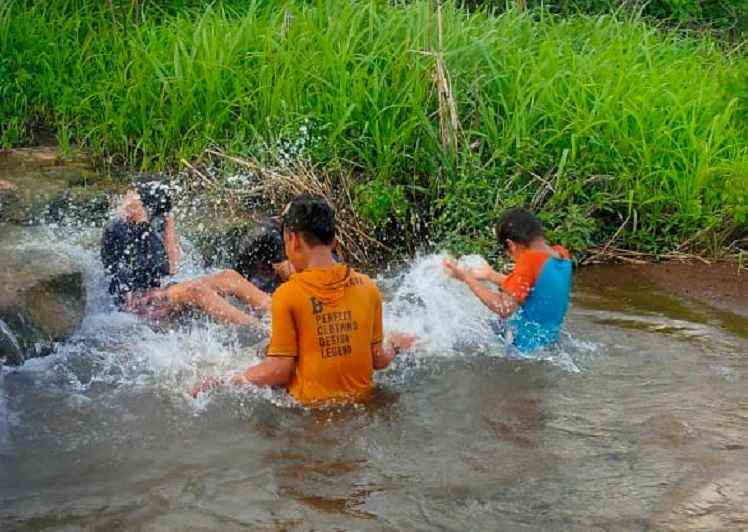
pixel 449 122
pixel 610 253
pixel 279 185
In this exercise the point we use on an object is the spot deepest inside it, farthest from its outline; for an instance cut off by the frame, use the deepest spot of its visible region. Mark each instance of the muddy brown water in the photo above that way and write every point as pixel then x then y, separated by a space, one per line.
pixel 641 425
pixel 649 434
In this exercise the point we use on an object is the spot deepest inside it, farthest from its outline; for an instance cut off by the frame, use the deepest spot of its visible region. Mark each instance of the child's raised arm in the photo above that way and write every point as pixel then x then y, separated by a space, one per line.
pixel 501 303
pixel 485 272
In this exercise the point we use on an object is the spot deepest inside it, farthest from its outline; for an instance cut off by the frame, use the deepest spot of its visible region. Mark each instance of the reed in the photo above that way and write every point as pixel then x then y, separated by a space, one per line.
pixel 610 126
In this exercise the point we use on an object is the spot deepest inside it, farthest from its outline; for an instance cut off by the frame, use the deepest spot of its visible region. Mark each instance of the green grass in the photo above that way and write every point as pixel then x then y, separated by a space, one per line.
pixel 596 121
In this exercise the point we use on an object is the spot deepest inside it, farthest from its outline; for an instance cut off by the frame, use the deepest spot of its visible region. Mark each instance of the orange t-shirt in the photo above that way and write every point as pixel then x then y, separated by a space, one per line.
pixel 328 319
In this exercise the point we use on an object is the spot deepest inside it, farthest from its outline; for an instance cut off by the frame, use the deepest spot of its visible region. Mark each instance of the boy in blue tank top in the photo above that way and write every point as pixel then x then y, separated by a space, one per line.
pixel 534 297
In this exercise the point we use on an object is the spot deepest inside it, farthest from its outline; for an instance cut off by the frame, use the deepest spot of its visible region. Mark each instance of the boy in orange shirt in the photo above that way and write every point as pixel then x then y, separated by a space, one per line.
pixel 327 338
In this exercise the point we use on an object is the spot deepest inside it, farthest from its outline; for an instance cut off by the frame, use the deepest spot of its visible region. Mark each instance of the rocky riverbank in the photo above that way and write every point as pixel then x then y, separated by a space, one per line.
pixel 42 293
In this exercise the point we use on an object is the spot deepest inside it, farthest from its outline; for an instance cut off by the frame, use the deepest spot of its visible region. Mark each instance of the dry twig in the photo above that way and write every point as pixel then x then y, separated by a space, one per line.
pixel 449 122
pixel 614 254
pixel 280 185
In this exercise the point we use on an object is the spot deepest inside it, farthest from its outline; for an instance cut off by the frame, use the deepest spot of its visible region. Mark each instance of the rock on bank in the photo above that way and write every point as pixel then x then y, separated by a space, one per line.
pixel 42 295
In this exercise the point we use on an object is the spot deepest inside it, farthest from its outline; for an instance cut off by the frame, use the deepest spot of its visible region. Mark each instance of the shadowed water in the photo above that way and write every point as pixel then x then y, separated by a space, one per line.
pixel 638 422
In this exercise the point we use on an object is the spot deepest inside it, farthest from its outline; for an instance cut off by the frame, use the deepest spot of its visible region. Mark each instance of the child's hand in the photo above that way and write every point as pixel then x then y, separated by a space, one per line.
pixel 483 272
pixel 454 270
pixel 401 341
pixel 208 383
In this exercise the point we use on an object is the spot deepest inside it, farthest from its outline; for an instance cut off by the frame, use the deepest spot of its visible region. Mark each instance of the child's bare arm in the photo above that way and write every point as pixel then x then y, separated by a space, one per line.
pixel 171 243
pixel 499 302
pixel 486 273
pixel 273 371
pixel 382 358
pixel 395 343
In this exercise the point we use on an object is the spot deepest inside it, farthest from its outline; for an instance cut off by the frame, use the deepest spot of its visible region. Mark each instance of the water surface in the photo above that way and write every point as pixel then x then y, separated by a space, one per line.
pixel 637 423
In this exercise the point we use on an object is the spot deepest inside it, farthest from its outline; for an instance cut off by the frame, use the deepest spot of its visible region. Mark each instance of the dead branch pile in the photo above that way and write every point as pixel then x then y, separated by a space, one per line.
pixel 277 186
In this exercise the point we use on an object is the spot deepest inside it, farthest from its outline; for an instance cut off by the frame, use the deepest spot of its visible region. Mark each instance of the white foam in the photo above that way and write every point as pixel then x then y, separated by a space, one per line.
pixel 441 311
pixel 117 349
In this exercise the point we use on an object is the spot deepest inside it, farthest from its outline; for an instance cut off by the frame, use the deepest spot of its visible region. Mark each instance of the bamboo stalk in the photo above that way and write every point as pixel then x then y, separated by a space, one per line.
pixel 449 123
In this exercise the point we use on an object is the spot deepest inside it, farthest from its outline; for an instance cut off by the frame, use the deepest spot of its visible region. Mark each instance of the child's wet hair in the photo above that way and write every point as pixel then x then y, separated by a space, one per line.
pixel 312 217
pixel 155 195
pixel 518 225
pixel 265 244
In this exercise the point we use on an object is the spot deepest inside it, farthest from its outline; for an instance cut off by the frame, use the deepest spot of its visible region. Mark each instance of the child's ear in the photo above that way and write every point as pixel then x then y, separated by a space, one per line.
pixel 296 241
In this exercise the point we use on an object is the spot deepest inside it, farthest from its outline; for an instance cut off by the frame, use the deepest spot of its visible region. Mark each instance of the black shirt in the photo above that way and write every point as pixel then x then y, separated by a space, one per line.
pixel 134 258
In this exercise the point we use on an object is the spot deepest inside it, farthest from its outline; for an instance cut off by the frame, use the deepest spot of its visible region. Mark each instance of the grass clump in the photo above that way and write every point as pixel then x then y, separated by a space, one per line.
pixel 608 126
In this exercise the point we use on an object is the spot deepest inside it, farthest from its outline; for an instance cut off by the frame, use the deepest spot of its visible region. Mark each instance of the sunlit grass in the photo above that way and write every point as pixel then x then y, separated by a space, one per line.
pixel 615 120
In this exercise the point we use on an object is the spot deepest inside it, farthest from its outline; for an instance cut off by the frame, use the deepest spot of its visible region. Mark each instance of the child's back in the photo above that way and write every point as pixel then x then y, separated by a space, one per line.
pixel 541 284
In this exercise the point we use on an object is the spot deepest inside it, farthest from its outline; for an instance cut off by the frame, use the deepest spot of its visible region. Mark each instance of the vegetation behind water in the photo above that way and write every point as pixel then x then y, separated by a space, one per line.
pixel 612 128
pixel 727 18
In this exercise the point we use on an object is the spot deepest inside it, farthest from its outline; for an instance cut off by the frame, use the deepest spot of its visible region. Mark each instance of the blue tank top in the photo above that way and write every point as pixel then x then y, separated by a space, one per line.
pixel 537 323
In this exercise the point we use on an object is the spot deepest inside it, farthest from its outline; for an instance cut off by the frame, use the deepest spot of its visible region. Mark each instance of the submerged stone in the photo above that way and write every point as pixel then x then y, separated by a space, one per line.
pixel 42 297
pixel 233 244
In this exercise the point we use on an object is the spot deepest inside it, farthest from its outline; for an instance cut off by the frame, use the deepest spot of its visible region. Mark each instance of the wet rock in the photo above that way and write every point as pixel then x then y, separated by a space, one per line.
pixel 10 349
pixel 42 297
pixel 37 178
pixel 219 246
pixel 45 154
pixel 78 207
pixel 5 443
pixel 42 155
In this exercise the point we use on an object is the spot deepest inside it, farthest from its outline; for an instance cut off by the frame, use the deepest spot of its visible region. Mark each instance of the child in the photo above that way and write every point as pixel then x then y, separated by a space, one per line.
pixel 260 256
pixel 326 338
pixel 139 249
pixel 534 297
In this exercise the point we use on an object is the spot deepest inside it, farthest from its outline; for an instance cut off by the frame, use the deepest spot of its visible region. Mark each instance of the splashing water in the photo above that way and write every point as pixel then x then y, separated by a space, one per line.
pixel 646 434
pixel 118 349
pixel 450 320
pixel 441 311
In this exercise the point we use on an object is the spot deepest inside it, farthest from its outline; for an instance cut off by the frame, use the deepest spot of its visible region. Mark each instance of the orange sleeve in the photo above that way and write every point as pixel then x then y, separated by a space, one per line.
pixel 377 334
pixel 519 283
pixel 283 341
pixel 561 250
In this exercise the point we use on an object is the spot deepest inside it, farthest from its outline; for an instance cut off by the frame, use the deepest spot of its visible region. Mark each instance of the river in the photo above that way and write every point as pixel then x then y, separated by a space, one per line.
pixel 637 422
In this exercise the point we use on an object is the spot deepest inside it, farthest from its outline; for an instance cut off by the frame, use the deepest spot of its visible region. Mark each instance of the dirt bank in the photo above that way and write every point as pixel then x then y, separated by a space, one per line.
pixel 722 285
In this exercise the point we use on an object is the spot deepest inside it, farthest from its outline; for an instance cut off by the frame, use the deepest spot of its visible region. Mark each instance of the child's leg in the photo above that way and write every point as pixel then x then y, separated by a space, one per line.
pixel 230 282
pixel 199 295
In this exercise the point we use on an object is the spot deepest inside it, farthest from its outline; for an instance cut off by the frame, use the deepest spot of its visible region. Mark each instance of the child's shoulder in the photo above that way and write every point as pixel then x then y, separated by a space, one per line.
pixel 287 292
pixel 358 279
pixel 562 251
pixel 533 260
